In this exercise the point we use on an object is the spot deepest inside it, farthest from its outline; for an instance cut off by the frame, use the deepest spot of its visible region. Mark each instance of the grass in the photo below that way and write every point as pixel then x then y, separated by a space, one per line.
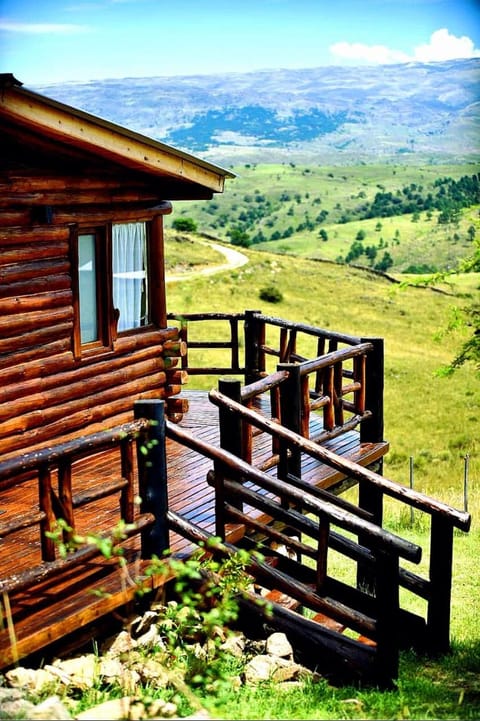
pixel 274 197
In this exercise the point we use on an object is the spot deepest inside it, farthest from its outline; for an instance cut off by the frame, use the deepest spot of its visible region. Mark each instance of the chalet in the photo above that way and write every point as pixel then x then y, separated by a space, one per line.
pixel 92 365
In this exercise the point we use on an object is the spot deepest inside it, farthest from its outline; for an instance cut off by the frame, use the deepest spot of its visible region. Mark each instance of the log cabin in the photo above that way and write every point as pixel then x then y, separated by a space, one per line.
pixel 82 305
pixel 92 364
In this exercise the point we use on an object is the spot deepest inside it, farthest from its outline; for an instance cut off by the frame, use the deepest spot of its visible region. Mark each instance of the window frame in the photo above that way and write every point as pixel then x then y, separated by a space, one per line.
pixel 107 317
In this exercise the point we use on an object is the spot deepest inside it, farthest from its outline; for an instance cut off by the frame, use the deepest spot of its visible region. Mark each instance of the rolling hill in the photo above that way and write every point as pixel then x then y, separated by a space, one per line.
pixel 409 112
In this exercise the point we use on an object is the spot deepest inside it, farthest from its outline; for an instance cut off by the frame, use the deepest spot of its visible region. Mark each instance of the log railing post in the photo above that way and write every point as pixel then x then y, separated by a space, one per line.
pixel 291 418
pixel 254 331
pixel 371 430
pixel 152 474
pixel 441 558
pixel 232 426
pixel 388 610
pixel 370 498
pixel 45 503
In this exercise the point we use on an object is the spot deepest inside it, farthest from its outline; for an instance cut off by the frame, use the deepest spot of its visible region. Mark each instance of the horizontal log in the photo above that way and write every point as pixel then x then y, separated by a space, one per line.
pixel 26 520
pixel 32 286
pixel 14 218
pixel 88 383
pixel 29 413
pixel 78 446
pixel 177 405
pixel 36 338
pixel 144 211
pixel 263 385
pixel 79 196
pixel 175 348
pixel 45 182
pixel 33 234
pixel 14 325
pixel 87 420
pixel 177 376
pixel 40 269
pixel 29 363
pixel 173 390
pixel 30 303
pixel 33 252
pixel 59 371
pixel 107 488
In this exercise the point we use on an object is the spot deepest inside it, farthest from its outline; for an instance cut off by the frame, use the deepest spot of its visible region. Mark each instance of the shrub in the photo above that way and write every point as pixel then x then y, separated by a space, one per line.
pixel 271 294
pixel 186 225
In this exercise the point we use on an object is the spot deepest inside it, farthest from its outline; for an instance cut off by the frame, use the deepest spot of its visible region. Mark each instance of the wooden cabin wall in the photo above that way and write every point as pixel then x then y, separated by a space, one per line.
pixel 45 393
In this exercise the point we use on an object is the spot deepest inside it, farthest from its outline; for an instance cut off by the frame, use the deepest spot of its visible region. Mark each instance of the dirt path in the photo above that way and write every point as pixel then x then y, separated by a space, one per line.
pixel 234 259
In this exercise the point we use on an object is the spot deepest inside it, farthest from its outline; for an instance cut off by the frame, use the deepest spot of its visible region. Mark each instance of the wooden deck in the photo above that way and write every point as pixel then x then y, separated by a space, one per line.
pixel 42 613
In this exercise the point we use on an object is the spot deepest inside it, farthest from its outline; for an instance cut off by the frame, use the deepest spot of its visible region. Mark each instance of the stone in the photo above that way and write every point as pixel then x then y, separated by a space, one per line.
pixel 278 645
pixel 123 643
pixel 52 708
pixel 30 678
pixel 234 645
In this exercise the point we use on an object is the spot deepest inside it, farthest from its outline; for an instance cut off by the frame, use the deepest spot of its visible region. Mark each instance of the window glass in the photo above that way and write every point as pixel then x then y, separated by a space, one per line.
pixel 88 288
pixel 129 266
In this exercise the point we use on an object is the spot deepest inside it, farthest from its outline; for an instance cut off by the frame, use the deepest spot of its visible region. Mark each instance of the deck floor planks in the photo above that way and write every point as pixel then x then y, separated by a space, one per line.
pixel 189 495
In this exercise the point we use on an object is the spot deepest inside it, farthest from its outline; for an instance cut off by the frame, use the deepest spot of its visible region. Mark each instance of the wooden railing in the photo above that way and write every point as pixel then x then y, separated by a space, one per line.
pixel 337 374
pixel 248 496
pixel 52 469
pixel 373 487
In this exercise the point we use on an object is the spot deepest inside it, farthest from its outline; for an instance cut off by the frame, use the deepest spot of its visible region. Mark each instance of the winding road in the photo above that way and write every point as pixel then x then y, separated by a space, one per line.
pixel 234 259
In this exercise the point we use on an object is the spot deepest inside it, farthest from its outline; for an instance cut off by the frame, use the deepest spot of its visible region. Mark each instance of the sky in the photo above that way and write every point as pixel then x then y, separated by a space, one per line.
pixel 55 41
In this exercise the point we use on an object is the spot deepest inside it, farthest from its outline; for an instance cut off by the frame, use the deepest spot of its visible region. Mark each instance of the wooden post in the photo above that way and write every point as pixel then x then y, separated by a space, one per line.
pixel 370 498
pixel 441 558
pixel 371 430
pixel 254 331
pixel 231 425
pixel 291 415
pixel 152 474
pixel 388 609
pixel 45 503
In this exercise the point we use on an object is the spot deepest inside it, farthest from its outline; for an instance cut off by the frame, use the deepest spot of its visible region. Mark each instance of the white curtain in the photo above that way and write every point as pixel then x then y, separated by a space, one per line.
pixel 129 255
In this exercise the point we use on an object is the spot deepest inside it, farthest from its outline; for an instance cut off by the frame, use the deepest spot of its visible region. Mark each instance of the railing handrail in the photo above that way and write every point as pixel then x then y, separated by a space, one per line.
pixel 336 356
pixel 384 539
pixel 308 329
pixel 77 447
pixel 459 519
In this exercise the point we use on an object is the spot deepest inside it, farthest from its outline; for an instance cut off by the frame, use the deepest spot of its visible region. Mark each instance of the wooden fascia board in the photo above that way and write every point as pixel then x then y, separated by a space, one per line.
pixel 107 140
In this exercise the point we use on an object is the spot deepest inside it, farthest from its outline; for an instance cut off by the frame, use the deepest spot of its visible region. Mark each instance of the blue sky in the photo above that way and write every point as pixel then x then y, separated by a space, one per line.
pixel 43 41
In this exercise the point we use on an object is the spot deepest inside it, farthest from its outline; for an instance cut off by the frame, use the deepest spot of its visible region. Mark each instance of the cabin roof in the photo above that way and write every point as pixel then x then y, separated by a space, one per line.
pixel 88 133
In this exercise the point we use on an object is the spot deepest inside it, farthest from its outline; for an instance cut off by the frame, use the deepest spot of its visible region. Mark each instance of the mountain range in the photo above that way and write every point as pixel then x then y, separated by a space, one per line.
pixel 408 112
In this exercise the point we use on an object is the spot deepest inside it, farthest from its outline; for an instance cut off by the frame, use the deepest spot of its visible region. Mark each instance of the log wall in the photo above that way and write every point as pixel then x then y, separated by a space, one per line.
pixel 46 394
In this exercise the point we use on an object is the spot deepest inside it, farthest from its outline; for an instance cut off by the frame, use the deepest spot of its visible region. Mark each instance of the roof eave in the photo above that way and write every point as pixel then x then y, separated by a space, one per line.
pixel 107 139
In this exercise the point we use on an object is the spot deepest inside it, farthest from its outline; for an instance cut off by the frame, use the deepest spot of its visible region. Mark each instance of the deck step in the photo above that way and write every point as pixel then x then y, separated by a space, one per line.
pixel 282 599
pixel 329 623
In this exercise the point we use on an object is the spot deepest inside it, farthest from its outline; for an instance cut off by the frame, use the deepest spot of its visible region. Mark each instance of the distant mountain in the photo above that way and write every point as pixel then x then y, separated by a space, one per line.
pixel 413 111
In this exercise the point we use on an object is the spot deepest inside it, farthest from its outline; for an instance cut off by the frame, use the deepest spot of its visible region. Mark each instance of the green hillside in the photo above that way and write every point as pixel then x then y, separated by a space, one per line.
pixel 319 212
pixel 432 419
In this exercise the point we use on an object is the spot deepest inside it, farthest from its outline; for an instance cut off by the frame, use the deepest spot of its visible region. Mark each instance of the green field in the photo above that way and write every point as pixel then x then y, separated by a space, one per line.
pixel 293 203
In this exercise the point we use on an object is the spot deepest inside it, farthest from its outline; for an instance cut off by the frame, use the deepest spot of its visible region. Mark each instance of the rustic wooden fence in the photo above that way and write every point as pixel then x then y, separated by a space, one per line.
pixel 433 631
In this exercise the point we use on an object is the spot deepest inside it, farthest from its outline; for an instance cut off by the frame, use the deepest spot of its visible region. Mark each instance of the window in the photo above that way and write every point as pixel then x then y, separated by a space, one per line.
pixel 114 292
pixel 130 278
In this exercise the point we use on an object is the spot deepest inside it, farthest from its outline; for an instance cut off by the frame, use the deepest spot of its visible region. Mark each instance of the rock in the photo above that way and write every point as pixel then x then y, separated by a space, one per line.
pixel 151 639
pixel 271 668
pixel 234 644
pixel 81 672
pixel 113 710
pixel 278 645
pixel 123 643
pixel 51 708
pixel 30 678
pixel 260 668
pixel 142 624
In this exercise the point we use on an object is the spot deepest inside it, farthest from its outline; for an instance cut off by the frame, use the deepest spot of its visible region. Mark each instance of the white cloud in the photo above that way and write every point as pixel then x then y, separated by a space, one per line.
pixel 41 28
pixel 442 46
pixel 372 54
